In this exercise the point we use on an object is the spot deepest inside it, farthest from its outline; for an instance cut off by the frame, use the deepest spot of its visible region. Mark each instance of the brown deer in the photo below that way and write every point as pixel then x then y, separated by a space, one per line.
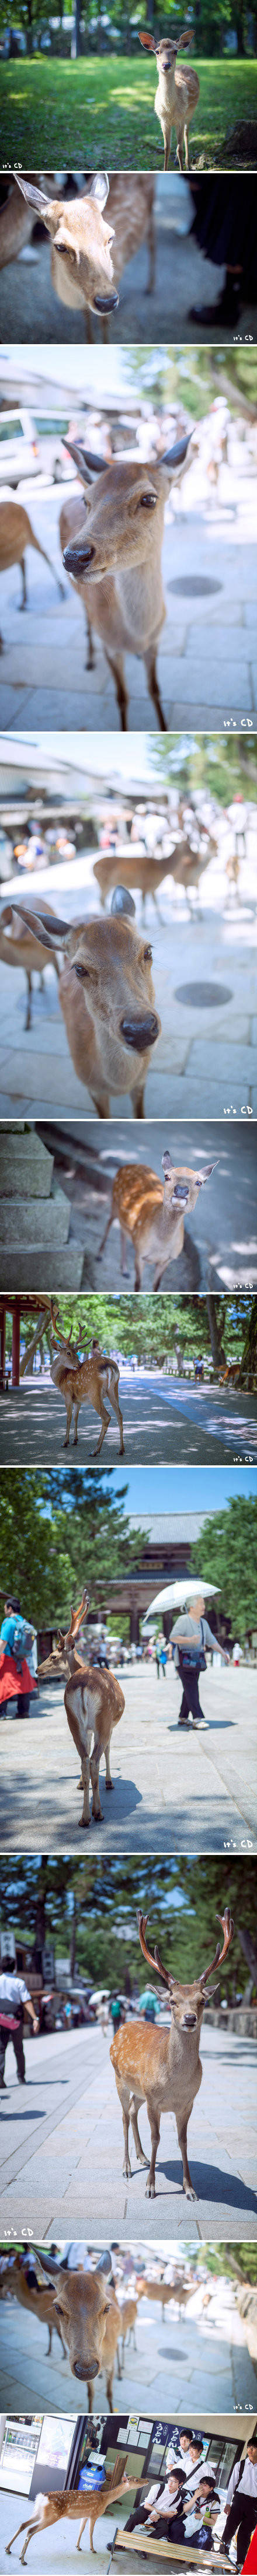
pixel 91 1378
pixel 231 1375
pixel 115 559
pixel 20 947
pixel 15 534
pixel 56 2508
pixel 181 863
pixel 164 2292
pixel 177 93
pixel 94 1703
pixel 160 2067
pixel 88 255
pixel 89 2321
pixel 38 2301
pixel 16 225
pixel 152 1213
pixel 107 998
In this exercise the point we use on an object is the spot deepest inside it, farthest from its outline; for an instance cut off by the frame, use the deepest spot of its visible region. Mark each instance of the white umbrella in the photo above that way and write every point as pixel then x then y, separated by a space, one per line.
pixel 176 1593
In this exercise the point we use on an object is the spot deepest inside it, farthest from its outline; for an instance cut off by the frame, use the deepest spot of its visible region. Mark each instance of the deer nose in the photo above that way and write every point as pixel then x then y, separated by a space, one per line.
pixel 76 558
pixel 189 2021
pixel 86 2370
pixel 106 303
pixel 140 1033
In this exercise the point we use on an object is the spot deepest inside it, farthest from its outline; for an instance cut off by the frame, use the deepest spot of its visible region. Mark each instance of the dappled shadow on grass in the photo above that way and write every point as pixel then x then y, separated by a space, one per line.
pixel 110 105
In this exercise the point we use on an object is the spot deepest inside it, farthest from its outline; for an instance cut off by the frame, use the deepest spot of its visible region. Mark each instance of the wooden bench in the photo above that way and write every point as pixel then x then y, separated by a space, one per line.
pixel 169 2549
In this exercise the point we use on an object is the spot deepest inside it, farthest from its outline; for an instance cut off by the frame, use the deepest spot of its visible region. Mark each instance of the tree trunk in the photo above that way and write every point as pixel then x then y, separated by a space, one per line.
pixel 249 1948
pixel 73 1937
pixel 215 1331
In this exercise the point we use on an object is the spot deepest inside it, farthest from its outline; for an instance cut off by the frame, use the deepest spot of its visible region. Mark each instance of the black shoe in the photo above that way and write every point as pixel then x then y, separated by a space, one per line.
pixel 21 2079
pixel 3 2086
pixel 227 308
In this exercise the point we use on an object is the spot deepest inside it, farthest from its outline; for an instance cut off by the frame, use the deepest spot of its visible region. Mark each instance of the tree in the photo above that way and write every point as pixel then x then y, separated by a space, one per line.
pixel 228 1546
pixel 58 1532
pixel 93 1904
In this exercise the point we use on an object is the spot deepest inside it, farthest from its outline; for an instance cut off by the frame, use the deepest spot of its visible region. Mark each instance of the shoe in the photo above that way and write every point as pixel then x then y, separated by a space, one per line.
pixel 184 1721
pixel 227 308
pixel 199 1722
pixel 3 2086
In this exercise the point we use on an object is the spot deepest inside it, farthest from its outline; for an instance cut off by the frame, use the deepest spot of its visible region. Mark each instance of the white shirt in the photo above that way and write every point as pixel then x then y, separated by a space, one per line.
pixel 12 1990
pixel 165 2501
pixel 248 2481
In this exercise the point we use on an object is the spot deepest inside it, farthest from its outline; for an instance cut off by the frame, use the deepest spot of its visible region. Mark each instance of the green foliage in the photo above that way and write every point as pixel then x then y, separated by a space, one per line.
pixel 58 117
pixel 148 1326
pixel 229 1548
pixel 226 766
pixel 56 1534
pixel 104 1896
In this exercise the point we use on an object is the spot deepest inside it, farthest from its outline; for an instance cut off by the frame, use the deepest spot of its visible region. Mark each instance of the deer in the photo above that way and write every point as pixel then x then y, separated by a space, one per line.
pixel 93 1378
pixel 231 1375
pixel 19 947
pixel 16 225
pixel 16 533
pixel 164 2292
pixel 37 2300
pixel 107 998
pixel 152 1214
pixel 87 254
pixel 94 1704
pixel 115 560
pixel 56 2508
pixel 87 2309
pixel 140 869
pixel 177 94
pixel 163 2068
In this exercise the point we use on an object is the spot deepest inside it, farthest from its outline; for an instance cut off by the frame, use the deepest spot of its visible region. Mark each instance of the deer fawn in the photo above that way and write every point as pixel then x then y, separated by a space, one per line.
pixel 89 2318
pixel 93 1378
pixel 115 560
pixel 56 2508
pixel 152 1214
pixel 177 93
pixel 107 998
pixel 87 255
pixel 21 948
pixel 163 2068
pixel 15 534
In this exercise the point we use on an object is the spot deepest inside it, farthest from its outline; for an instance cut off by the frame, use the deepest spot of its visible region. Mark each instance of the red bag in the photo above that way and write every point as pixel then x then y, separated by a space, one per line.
pixel 7 2022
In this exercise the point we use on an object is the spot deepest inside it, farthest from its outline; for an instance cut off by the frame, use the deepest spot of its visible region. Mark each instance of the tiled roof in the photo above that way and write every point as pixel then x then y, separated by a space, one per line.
pixel 165 1528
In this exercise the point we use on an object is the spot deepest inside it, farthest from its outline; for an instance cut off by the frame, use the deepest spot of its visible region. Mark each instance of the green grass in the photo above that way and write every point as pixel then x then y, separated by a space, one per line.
pixel 96 112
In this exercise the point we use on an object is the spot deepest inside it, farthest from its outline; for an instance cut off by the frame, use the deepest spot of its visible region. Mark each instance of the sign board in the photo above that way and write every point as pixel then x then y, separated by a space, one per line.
pixel 7 1946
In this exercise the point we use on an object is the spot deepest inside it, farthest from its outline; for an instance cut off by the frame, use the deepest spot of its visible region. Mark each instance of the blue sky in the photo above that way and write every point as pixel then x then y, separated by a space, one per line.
pixel 181 1489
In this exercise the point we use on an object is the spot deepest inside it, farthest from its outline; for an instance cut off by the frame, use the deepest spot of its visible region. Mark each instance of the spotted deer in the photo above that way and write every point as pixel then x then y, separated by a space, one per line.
pixel 57 2508
pixel 107 997
pixel 163 2067
pixel 90 1379
pixel 177 94
pixel 89 2320
pixel 138 868
pixel 114 558
pixel 152 1214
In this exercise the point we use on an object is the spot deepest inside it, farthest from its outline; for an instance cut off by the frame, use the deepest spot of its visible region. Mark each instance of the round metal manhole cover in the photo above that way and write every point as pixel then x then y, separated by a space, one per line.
pixel 203 997
pixel 195 585
pixel 172 2352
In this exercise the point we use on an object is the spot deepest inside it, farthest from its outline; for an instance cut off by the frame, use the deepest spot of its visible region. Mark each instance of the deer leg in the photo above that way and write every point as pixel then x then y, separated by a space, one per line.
pixel 141 2158
pixel 41 550
pixel 179 150
pixel 49 2346
pixel 85 1779
pixel 155 2136
pixel 187 162
pixel 114 1399
pixel 119 2363
pixel 167 143
pixel 90 2394
pixel 23 600
pixel 82 2527
pixel 105 1420
pixel 109 2391
pixel 29 998
pixel 138 1098
pixel 101 1103
pixel 116 665
pixel 123 1246
pixel 97 1810
pixel 126 2168
pixel 104 1236
pixel 22 2526
pixel 90 653
pixel 76 1416
pixel 151 247
pixel 109 1782
pixel 153 685
pixel 69 1404
pixel 138 1280
pixel 188 2186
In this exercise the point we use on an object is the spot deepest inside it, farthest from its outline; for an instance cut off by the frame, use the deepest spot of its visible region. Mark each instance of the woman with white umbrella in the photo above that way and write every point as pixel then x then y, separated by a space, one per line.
pixel 192 1635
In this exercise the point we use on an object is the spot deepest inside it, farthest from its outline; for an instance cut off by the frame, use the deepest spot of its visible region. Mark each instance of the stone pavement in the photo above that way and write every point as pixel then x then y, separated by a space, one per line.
pixel 207 655
pixel 30 310
pixel 188 2358
pixel 165 1420
pixel 65 2165
pixel 193 1793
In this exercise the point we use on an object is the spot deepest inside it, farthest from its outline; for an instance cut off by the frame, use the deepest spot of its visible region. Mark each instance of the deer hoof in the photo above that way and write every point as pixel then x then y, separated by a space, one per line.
pixel 126 2169
pixel 109 1784
pixel 150 2192
pixel 97 1816
pixel 84 1821
pixel 189 2191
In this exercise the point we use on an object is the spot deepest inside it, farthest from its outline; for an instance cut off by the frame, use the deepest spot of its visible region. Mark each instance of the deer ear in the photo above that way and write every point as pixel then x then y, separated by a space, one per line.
pixel 100 187
pixel 45 926
pixel 122 901
pixel 175 457
pixel 34 196
pixel 148 41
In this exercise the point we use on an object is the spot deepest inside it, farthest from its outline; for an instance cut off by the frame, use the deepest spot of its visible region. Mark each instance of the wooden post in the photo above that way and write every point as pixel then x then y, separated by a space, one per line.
pixel 16 1346
pixel 2 1345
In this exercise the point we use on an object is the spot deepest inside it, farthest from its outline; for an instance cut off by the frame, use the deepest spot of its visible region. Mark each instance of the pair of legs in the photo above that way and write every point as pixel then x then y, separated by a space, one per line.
pixel 129 2112
pixel 17 2043
pixel 241 2518
pixel 22 1705
pixel 190 1700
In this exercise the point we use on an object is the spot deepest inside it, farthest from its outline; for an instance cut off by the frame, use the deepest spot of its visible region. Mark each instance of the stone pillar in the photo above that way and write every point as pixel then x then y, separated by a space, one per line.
pixel 16 1346
pixel 134 1624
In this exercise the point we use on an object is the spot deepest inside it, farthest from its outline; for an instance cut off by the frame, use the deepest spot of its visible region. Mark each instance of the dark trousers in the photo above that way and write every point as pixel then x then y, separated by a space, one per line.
pixel 22 1705
pixel 190 1691
pixel 242 2518
pixel 17 2043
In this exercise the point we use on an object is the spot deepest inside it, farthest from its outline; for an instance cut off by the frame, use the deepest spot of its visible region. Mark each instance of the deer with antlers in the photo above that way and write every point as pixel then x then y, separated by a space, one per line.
pixel 151 1214
pixel 56 2508
pixel 115 558
pixel 94 1703
pixel 163 2068
pixel 178 91
pixel 107 997
pixel 81 1380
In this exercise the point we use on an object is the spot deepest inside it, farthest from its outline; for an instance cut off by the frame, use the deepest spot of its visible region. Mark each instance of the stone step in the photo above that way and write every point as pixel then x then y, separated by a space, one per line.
pixel 42 1268
pixel 35 1220
pixel 26 1167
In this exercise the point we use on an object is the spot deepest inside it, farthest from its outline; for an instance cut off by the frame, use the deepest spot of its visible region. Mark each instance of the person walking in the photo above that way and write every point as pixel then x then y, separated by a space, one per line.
pixel 17 1681
pixel 161 1655
pixel 241 2499
pixel 189 1638
pixel 13 1995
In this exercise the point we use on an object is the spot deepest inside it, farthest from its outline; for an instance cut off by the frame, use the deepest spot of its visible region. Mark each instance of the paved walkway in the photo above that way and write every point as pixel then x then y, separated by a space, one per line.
pixel 63 2153
pixel 30 310
pixel 189 2358
pixel 179 1792
pixel 207 656
pixel 165 1419
pixel 199 1043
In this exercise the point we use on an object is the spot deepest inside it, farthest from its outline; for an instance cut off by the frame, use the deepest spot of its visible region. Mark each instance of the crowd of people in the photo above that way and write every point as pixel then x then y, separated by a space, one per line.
pixel 188 2503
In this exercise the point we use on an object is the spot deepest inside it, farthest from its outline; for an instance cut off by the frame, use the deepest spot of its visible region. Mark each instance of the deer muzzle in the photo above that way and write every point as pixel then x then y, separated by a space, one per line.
pixel 105 303
pixel 140 1033
pixel 77 558
pixel 86 2369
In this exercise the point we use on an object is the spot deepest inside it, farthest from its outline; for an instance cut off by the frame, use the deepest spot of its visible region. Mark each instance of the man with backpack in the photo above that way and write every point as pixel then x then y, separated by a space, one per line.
pixel 17 1680
pixel 13 1995
pixel 189 1638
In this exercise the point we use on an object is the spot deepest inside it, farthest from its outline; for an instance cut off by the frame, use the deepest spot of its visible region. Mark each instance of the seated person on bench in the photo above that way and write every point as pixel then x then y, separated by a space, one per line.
pixel 159 2506
pixel 192 2523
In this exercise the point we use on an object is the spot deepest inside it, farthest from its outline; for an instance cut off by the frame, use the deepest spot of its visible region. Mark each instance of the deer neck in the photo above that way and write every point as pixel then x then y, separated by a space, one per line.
pixel 183 2047
pixel 140 595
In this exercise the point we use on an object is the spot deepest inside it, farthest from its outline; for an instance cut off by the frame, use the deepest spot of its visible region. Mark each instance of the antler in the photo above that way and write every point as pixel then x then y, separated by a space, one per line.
pixel 76 1615
pixel 228 1928
pixel 66 1338
pixel 156 1962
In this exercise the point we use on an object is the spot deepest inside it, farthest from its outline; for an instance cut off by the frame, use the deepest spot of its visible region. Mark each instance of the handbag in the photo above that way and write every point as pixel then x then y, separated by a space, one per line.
pixel 7 2021
pixel 196 1662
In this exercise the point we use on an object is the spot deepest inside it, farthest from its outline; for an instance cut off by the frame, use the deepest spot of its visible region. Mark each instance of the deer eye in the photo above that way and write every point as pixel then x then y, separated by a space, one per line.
pixel 148 953
pixel 148 501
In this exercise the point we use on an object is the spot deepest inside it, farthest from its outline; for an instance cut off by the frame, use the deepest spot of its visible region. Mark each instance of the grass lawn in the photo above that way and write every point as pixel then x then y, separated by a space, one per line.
pixel 93 113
